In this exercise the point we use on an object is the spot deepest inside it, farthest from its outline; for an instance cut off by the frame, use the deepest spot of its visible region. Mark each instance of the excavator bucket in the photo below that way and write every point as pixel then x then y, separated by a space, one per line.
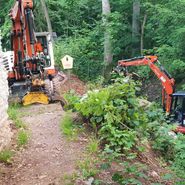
pixel 35 97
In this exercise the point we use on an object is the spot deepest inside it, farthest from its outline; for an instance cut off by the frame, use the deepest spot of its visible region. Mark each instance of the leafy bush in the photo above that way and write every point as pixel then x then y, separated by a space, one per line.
pixel 171 147
pixel 117 117
pixel 179 157
pixel 158 132
pixel 177 69
pixel 71 99
pixel 114 112
pixel 130 174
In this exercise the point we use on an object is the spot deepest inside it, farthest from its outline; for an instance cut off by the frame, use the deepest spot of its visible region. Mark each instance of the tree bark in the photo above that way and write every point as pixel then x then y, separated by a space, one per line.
pixel 142 33
pixel 47 18
pixel 106 10
pixel 136 28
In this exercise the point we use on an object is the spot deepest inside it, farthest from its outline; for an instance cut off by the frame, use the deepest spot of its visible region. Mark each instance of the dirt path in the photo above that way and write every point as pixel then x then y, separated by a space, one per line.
pixel 48 156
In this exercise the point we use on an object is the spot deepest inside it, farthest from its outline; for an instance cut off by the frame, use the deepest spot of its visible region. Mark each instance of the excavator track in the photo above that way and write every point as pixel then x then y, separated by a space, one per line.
pixel 50 94
pixel 52 90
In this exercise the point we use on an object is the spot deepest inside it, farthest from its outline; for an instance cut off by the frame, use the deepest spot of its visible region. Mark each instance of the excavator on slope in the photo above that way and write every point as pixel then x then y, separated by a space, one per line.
pixel 31 73
pixel 172 102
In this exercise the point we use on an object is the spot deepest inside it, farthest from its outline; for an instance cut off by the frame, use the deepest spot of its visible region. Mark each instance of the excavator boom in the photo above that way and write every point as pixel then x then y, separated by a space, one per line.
pixel 170 100
pixel 168 83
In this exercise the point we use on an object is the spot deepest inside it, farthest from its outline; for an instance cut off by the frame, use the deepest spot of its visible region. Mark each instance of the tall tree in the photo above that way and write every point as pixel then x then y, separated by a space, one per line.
pixel 43 4
pixel 136 28
pixel 106 10
pixel 142 33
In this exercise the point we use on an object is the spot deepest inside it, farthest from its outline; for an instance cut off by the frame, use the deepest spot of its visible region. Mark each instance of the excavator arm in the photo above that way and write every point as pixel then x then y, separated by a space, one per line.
pixel 32 78
pixel 24 41
pixel 167 81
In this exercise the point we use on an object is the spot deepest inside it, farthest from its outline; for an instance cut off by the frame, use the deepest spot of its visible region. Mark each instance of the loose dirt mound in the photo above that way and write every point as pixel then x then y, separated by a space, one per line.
pixel 48 155
pixel 74 83
pixel 152 89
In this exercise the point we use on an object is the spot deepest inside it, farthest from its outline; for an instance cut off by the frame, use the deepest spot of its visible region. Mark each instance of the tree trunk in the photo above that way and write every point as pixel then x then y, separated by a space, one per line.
pixel 136 28
pixel 1 48
pixel 107 37
pixel 45 10
pixel 142 33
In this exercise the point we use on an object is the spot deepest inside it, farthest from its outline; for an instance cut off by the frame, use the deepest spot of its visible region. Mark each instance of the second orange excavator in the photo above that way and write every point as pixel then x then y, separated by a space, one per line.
pixel 173 102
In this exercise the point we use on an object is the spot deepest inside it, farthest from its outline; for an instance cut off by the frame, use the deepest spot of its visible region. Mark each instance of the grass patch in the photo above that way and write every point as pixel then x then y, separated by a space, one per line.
pixel 69 179
pixel 88 167
pixel 22 138
pixel 14 115
pixel 5 156
pixel 93 146
pixel 67 126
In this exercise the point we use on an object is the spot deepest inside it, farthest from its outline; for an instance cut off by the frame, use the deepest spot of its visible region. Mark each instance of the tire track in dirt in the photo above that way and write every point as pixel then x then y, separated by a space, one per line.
pixel 48 155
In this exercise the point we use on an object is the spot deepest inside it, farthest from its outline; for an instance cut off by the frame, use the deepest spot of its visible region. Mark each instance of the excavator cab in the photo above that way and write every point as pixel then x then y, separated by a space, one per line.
pixel 44 38
pixel 178 107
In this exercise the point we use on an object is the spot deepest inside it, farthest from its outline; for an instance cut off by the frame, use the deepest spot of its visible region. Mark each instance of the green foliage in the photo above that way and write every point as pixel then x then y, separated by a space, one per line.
pixel 116 116
pixel 170 146
pixel 183 87
pixel 78 24
pixel 158 132
pixel 22 138
pixel 177 69
pixel 14 115
pixel 166 20
pixel 86 51
pixel 179 157
pixel 115 113
pixel 93 146
pixel 71 99
pixel 130 174
pixel 67 126
pixel 5 156
pixel 88 167
pixel 5 23
pixel 69 179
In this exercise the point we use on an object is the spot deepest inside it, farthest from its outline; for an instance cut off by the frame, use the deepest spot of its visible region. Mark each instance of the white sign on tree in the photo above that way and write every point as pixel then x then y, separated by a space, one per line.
pixel 67 62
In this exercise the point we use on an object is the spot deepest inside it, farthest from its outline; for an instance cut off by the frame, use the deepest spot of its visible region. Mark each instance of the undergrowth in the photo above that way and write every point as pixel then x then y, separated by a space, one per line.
pixel 5 156
pixel 121 123
pixel 67 126
pixel 22 138
pixel 14 115
pixel 93 146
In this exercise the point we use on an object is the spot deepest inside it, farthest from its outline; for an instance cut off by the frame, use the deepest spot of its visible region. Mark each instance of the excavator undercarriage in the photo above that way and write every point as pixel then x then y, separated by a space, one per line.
pixel 38 91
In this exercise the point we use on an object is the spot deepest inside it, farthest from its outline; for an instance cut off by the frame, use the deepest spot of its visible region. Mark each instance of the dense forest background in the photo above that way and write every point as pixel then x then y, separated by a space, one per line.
pixel 133 28
pixel 126 129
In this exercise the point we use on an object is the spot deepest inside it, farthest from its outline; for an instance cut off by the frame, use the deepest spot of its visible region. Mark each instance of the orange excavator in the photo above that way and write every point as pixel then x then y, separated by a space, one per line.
pixel 173 102
pixel 31 74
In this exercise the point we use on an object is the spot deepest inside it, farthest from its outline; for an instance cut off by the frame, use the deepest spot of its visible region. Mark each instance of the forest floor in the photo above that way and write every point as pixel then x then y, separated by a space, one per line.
pixel 48 155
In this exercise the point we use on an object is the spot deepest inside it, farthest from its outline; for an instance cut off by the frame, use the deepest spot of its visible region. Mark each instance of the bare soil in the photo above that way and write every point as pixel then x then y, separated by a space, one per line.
pixel 75 84
pixel 48 155
pixel 152 89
